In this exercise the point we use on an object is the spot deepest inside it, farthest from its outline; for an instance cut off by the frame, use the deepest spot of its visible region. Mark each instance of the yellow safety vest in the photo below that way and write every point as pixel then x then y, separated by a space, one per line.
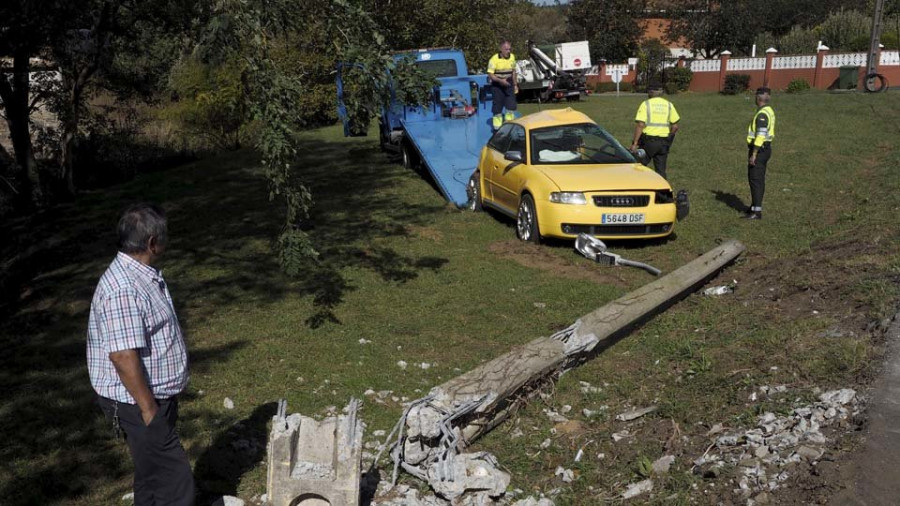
pixel 502 67
pixel 657 114
pixel 764 134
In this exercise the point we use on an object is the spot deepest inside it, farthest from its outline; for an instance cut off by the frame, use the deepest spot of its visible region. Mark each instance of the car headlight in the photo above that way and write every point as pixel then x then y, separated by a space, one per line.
pixel 568 198
pixel 664 197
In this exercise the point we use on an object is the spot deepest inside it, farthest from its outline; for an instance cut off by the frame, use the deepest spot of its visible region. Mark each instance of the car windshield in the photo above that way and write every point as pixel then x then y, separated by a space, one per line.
pixel 584 143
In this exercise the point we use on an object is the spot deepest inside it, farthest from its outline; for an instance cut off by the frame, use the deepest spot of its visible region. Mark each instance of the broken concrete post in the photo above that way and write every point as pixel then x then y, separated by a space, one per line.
pixel 314 463
pixel 495 388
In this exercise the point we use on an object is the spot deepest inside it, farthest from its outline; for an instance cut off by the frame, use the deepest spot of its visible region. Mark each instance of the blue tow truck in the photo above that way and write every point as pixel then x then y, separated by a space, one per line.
pixel 445 137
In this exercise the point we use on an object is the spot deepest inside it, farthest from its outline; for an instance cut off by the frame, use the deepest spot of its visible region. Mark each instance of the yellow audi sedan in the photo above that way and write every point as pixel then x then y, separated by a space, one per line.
pixel 559 174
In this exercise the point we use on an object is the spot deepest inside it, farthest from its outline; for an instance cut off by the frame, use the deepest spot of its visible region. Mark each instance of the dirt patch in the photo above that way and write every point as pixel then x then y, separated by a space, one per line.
pixel 538 257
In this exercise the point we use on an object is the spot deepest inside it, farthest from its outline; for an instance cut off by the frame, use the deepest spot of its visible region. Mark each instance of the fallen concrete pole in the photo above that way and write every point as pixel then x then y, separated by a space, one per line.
pixel 498 386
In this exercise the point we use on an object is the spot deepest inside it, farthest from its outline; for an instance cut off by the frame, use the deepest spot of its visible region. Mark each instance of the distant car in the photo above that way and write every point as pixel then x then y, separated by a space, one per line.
pixel 558 174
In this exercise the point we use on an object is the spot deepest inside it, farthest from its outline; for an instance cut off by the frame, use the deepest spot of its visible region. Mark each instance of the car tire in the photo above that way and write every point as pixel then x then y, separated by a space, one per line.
pixel 473 191
pixel 526 221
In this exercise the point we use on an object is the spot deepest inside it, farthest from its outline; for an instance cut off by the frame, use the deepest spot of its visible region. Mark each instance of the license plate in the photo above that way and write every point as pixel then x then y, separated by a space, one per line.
pixel 623 218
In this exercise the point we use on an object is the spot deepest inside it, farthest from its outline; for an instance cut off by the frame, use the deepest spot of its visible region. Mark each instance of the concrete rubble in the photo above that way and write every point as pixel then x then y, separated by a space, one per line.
pixel 636 489
pixel 314 463
pixel 763 455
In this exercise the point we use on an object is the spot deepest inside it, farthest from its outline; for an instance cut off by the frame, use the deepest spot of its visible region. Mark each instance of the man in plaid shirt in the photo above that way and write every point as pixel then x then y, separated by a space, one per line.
pixel 137 359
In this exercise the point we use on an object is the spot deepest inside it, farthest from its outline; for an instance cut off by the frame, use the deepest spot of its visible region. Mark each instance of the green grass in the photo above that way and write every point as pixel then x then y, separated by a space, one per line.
pixel 427 283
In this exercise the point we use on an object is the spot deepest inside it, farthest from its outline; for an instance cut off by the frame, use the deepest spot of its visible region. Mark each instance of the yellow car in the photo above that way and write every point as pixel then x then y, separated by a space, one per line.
pixel 558 174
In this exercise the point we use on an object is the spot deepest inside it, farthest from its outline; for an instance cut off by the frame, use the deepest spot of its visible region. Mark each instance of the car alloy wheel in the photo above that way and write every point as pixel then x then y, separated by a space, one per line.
pixel 473 192
pixel 526 221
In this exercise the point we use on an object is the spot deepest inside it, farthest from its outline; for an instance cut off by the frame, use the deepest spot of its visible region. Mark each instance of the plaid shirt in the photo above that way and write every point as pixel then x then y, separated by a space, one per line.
pixel 132 310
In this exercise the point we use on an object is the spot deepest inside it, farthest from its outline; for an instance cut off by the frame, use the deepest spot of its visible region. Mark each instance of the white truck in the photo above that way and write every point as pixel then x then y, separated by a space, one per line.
pixel 559 77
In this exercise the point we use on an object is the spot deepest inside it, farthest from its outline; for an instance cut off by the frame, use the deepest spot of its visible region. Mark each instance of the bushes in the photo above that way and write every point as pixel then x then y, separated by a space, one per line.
pixel 736 83
pixel 797 85
pixel 681 77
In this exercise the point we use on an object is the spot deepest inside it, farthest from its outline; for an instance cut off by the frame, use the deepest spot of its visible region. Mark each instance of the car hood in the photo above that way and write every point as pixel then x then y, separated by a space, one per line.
pixel 617 176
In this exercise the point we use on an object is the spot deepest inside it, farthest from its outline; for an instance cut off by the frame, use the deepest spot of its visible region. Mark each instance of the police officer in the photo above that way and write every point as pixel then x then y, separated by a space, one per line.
pixel 655 125
pixel 502 77
pixel 760 134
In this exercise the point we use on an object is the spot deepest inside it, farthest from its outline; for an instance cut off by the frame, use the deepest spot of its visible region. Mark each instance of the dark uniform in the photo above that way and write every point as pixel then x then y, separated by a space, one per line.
pixel 760 134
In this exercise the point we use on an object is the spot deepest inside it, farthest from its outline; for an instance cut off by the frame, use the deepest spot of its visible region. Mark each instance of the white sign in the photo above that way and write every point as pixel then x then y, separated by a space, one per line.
pixel 617 75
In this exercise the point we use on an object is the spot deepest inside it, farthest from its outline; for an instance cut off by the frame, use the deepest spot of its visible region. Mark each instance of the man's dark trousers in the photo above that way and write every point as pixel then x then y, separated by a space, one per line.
pixel 657 149
pixel 756 174
pixel 162 471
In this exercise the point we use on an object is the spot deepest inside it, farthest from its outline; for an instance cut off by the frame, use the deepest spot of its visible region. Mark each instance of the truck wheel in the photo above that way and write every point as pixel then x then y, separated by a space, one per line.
pixel 473 191
pixel 410 156
pixel 526 221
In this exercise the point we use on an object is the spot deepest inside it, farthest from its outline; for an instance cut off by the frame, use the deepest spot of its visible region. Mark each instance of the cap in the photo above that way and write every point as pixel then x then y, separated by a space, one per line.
pixel 763 91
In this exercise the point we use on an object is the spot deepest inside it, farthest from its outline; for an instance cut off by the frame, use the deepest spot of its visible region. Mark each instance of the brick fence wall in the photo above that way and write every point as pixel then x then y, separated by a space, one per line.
pixel 820 70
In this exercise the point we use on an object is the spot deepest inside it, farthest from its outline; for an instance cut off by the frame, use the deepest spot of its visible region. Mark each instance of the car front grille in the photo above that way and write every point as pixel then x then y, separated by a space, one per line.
pixel 621 200
pixel 622 230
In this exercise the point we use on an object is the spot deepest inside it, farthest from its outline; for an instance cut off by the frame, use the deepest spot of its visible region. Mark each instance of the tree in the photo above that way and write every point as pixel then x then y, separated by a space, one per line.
pixel 713 27
pixel 260 33
pixel 610 26
pixel 81 39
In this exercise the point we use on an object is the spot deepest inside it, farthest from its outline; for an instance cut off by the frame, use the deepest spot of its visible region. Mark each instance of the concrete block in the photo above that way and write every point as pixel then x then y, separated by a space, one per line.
pixel 315 463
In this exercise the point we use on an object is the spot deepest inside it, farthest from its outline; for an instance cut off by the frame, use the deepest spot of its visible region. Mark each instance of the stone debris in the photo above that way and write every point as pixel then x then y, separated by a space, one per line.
pixel 635 413
pixel 365 341
pixel 227 500
pixel 545 444
pixel 308 457
pixel 761 453
pixel 565 409
pixel 531 501
pixel 517 433
pixel 618 436
pixel 378 433
pixel 567 475
pixel 587 388
pixel 716 429
pixel 369 392
pixel 636 489
pixel 474 473
pixel 401 364
pixel 228 403
pixel 662 464
pixel 554 416
pixel 540 305
pixel 425 365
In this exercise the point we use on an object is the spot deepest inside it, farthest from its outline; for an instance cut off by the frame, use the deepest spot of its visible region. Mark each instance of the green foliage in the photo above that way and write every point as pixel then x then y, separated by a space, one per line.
pixel 611 27
pixel 798 85
pixel 736 83
pixel 259 33
pixel 681 77
pixel 652 55
pixel 210 101
pixel 711 28
pixel 842 28
pixel 643 466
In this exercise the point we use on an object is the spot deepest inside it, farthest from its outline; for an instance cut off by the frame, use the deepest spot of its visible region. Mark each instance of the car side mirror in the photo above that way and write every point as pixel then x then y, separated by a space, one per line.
pixel 513 156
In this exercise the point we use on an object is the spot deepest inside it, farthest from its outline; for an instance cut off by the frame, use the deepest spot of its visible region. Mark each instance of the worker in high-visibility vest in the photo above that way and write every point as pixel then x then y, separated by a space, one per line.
pixel 760 134
pixel 655 125
pixel 502 77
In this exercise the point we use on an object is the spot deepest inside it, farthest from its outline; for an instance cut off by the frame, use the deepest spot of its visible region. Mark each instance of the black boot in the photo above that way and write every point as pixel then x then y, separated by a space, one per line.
pixel 753 215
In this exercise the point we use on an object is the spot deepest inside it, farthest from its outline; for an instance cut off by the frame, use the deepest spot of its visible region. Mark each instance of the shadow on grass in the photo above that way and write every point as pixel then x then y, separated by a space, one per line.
pixel 57 448
pixel 731 200
pixel 239 449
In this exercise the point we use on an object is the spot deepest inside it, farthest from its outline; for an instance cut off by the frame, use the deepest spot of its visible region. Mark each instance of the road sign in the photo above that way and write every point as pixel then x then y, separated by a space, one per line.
pixel 617 75
pixel 577 62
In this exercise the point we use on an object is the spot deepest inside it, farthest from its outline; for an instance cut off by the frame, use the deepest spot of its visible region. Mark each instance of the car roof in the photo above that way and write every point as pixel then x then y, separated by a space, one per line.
pixel 552 117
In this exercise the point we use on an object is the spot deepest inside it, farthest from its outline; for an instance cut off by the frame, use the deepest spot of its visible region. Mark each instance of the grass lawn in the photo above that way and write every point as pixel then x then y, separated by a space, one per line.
pixel 425 282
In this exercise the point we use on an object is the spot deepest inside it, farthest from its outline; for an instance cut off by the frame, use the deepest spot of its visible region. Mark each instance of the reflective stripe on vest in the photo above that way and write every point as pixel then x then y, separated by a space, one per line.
pixel 767 133
pixel 668 115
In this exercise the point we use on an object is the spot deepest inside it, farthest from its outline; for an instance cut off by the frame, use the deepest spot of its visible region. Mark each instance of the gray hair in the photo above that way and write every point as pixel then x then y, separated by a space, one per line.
pixel 138 224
